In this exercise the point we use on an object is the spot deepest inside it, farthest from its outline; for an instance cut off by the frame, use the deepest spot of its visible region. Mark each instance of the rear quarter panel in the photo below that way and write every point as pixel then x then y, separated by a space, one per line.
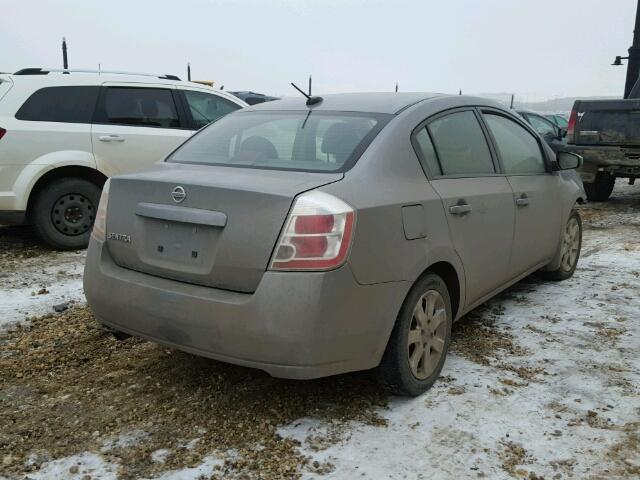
pixel 387 177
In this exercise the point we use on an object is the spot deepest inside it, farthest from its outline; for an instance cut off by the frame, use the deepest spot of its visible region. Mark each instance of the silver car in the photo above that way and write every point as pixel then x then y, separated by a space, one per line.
pixel 311 238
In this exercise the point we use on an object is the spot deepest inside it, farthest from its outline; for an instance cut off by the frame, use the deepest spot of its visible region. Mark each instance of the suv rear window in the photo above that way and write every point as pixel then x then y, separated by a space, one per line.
pixel 60 104
pixel 305 141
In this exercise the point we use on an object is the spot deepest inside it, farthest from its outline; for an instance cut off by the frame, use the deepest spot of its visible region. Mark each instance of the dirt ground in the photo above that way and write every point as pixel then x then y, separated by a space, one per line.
pixel 542 382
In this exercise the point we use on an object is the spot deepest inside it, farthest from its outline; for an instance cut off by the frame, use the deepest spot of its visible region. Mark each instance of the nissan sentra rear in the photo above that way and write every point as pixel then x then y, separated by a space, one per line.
pixel 230 249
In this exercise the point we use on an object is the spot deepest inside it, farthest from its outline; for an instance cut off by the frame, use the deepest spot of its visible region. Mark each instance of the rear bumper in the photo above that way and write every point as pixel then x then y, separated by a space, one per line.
pixel 295 325
pixel 621 162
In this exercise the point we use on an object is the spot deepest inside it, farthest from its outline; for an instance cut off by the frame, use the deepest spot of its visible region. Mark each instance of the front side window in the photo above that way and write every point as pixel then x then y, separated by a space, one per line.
pixel 142 107
pixel 60 104
pixel 206 107
pixel 461 145
pixel 518 149
pixel 306 141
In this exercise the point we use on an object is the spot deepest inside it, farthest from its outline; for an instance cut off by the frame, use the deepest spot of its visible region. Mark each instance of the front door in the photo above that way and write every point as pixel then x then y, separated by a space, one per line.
pixel 135 127
pixel 535 192
pixel 477 200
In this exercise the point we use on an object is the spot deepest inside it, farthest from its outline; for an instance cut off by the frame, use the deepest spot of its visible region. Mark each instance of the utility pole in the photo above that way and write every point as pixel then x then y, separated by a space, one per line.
pixel 188 71
pixel 65 63
pixel 633 67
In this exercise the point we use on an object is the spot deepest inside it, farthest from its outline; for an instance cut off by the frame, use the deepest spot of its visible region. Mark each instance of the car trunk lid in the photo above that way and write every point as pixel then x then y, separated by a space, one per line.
pixel 206 225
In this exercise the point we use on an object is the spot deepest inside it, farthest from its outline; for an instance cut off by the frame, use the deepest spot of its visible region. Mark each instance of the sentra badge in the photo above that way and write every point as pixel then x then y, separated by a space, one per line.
pixel 120 237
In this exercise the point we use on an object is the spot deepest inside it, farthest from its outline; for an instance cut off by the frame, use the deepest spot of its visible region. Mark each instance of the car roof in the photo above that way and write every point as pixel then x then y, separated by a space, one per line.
pixel 75 78
pixel 531 112
pixel 380 102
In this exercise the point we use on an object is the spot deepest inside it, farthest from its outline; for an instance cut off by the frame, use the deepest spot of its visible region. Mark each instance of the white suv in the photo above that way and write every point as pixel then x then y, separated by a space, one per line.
pixel 63 133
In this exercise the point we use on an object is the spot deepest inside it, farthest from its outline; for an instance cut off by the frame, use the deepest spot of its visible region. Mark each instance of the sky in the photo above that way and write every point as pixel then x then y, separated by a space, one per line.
pixel 537 49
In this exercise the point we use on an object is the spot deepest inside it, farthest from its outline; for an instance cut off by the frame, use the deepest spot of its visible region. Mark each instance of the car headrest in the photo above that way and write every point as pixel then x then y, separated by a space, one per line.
pixel 340 140
pixel 259 145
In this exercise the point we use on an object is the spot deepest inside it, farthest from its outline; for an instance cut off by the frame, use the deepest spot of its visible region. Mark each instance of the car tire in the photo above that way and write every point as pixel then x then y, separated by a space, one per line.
pixel 569 249
pixel 63 212
pixel 399 372
pixel 600 190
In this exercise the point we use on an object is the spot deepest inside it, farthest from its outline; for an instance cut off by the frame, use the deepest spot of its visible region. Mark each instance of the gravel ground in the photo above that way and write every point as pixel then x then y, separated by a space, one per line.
pixel 542 382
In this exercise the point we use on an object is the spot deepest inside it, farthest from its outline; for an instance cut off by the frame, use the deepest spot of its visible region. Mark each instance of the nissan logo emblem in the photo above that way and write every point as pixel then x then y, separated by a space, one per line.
pixel 178 194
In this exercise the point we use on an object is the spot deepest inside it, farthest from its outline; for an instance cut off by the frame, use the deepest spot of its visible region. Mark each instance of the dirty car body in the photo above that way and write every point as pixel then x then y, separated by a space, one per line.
pixel 226 249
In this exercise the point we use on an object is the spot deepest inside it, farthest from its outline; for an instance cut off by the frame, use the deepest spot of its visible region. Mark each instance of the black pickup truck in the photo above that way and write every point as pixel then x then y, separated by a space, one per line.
pixel 607 135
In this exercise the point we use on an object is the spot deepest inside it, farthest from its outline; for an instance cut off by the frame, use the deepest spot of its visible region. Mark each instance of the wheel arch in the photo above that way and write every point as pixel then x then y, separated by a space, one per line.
pixel 67 171
pixel 451 278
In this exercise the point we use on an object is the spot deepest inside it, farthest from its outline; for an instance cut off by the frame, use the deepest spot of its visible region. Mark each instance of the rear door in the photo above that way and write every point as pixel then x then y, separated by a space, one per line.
pixel 478 200
pixel 135 126
pixel 535 191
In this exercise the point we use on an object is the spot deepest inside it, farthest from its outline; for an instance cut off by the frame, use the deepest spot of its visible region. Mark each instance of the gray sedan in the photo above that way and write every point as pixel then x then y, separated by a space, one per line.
pixel 311 238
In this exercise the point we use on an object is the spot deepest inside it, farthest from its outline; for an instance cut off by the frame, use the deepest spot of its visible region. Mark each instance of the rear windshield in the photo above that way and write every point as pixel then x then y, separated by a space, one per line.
pixel 306 141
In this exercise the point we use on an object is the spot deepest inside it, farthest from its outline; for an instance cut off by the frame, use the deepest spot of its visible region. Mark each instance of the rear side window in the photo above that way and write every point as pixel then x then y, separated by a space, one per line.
pixel 426 153
pixel 143 107
pixel 60 104
pixel 461 145
pixel 301 140
pixel 519 150
pixel 206 107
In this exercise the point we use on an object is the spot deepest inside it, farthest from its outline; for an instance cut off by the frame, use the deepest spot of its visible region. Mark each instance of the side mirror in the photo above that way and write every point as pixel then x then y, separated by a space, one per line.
pixel 568 160
pixel 562 132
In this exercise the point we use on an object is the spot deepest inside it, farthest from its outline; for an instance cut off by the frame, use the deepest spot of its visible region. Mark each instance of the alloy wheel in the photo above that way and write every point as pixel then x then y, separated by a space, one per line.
pixel 427 334
pixel 570 244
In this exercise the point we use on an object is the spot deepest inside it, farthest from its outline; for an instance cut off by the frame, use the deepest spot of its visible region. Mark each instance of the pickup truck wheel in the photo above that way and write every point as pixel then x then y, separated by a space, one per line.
pixel 569 249
pixel 420 339
pixel 600 190
pixel 63 212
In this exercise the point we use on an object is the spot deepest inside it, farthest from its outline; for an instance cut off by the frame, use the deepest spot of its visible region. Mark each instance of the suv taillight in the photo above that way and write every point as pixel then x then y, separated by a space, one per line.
pixel 2 132
pixel 571 128
pixel 317 234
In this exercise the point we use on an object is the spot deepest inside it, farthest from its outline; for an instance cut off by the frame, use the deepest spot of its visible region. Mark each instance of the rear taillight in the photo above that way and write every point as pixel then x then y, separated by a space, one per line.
pixel 571 128
pixel 317 234
pixel 2 132
pixel 100 223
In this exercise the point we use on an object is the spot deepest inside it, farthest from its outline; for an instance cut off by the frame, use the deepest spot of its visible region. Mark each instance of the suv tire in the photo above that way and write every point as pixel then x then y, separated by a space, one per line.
pixel 63 212
pixel 410 335
pixel 600 190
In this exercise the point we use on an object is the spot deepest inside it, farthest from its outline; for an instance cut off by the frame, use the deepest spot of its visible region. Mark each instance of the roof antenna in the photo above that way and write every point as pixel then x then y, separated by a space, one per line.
pixel 65 62
pixel 189 71
pixel 222 87
pixel 310 100
pixel 396 87
pixel 512 95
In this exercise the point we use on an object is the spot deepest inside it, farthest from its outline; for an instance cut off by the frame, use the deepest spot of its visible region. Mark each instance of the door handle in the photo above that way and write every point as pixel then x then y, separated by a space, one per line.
pixel 523 201
pixel 460 209
pixel 111 138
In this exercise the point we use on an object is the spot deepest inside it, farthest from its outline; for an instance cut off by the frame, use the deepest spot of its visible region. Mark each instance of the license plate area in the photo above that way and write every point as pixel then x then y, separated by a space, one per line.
pixel 176 248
